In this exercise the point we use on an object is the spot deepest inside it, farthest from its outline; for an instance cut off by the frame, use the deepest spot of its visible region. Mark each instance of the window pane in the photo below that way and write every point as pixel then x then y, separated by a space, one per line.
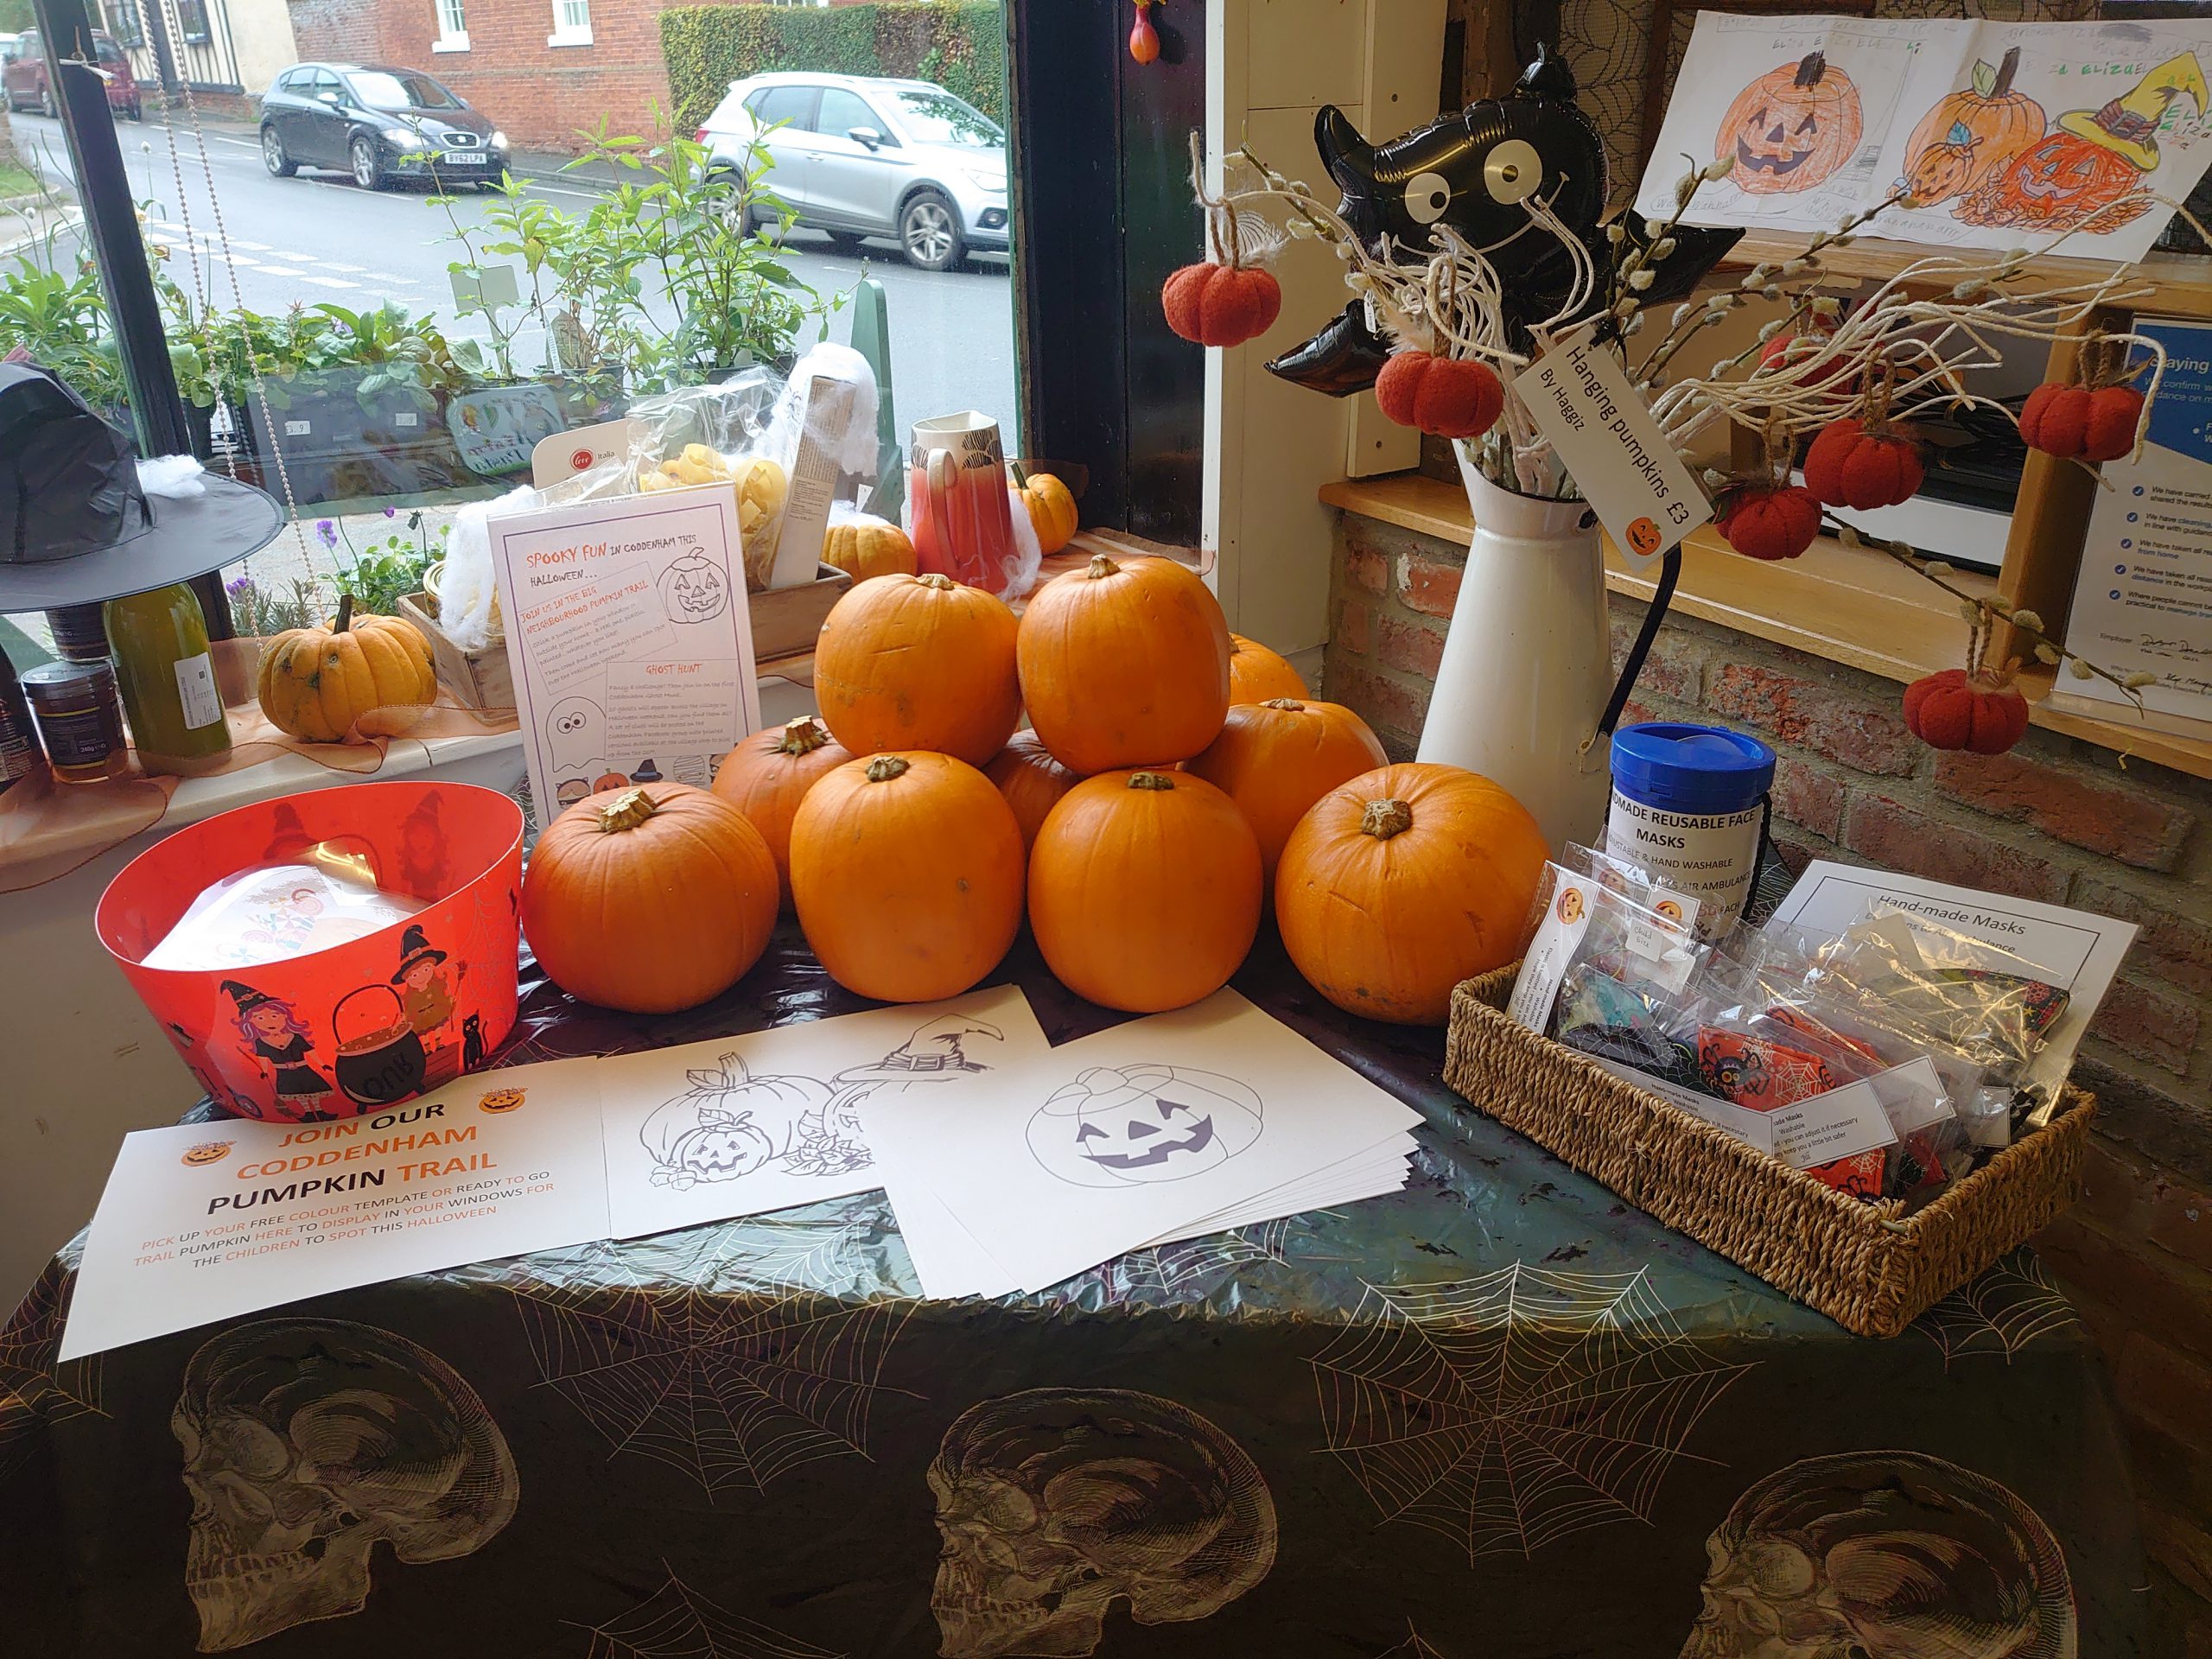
pixel 841 112
pixel 576 14
pixel 788 105
pixel 450 18
pixel 382 90
pixel 938 117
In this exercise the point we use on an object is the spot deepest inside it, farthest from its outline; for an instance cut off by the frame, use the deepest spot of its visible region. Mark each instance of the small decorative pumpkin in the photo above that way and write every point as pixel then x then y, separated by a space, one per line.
pixel 919 662
pixel 649 899
pixel 865 547
pixel 1050 506
pixel 1032 781
pixel 1786 350
pixel 1791 128
pixel 2083 422
pixel 1402 882
pixel 1767 520
pixel 1971 133
pixel 1981 712
pixel 767 775
pixel 1124 662
pixel 1444 396
pixel 1215 304
pixel 1256 673
pixel 1144 890
pixel 906 870
pixel 1276 758
pixel 1862 465
pixel 361 676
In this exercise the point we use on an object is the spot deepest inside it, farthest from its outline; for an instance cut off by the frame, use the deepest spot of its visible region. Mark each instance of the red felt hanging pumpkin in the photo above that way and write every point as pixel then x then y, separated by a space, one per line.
pixel 1853 463
pixel 2095 424
pixel 1444 396
pixel 1954 709
pixel 1221 305
pixel 1786 350
pixel 1770 521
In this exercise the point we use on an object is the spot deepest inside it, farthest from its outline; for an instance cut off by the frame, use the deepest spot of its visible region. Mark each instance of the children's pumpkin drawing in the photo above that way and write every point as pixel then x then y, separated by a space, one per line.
pixel 692 590
pixel 1791 128
pixel 727 1124
pixel 1971 133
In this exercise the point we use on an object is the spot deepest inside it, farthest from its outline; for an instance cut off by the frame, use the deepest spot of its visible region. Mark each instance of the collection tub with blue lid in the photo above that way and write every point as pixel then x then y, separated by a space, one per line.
pixel 1688 804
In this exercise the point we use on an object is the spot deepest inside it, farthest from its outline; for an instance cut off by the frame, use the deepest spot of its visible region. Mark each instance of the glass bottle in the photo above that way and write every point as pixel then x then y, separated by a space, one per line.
pixel 161 660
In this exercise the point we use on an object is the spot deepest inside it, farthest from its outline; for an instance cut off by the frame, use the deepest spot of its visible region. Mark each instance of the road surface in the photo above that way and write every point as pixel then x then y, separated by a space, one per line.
pixel 319 237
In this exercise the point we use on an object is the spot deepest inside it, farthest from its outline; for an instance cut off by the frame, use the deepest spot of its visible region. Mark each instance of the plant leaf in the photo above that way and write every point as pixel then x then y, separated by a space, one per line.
pixel 1984 79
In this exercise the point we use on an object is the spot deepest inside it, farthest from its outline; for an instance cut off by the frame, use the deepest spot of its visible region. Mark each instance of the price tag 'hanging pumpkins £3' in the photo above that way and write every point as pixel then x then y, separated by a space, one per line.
pixel 1614 450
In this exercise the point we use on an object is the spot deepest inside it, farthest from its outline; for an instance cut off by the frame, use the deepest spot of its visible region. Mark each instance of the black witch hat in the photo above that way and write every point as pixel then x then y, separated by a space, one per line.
pixel 414 947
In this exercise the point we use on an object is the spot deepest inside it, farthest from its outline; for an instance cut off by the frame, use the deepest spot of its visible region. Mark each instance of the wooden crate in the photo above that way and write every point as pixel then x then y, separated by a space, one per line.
pixel 478 678
pixel 786 620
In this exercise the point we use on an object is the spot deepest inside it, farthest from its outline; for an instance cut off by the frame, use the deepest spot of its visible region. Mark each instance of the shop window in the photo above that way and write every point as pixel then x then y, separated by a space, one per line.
pixel 452 27
pixel 192 21
pixel 571 24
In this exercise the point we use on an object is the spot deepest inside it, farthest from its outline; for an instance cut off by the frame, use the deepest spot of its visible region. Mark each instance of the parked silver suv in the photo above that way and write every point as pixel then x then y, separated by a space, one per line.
pixel 862 155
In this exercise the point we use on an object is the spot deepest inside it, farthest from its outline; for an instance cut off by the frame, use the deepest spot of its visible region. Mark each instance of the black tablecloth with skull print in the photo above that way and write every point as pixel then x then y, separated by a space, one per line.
pixel 1500 1415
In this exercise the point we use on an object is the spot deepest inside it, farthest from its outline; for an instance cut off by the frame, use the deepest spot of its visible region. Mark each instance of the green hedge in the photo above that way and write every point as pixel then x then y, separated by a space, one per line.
pixel 959 44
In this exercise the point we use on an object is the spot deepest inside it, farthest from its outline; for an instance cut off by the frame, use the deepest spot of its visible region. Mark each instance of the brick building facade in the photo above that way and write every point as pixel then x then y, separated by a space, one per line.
pixel 2055 820
pixel 541 70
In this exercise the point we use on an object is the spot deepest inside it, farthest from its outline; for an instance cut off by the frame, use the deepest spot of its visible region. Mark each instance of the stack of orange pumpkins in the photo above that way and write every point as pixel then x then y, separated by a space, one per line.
pixel 1174 780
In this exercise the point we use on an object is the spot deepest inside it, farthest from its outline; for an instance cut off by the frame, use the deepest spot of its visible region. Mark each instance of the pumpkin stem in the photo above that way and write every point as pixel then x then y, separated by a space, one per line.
pixel 2007 66
pixel 1291 703
pixel 345 614
pixel 1020 478
pixel 1100 567
pixel 802 736
pixel 885 768
pixel 1811 68
pixel 626 811
pixel 937 580
pixel 1151 781
pixel 1384 819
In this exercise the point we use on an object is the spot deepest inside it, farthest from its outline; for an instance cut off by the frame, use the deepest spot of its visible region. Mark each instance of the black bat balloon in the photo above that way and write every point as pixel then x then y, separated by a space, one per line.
pixel 1471 170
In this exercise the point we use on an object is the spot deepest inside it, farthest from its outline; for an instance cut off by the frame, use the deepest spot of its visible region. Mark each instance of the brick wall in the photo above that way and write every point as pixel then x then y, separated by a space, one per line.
pixel 541 95
pixel 2056 820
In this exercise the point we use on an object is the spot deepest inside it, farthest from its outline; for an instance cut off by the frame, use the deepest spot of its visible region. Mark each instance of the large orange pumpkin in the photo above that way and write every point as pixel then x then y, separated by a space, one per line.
pixel 906 871
pixel 1404 882
pixel 1791 128
pixel 1276 758
pixel 2060 184
pixel 1032 781
pixel 767 775
pixel 1124 662
pixel 1256 673
pixel 649 899
pixel 1144 890
pixel 1971 133
pixel 919 662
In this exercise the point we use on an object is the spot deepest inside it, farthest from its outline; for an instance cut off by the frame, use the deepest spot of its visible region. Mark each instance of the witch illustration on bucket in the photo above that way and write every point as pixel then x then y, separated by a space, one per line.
pixel 273 1037
pixel 426 999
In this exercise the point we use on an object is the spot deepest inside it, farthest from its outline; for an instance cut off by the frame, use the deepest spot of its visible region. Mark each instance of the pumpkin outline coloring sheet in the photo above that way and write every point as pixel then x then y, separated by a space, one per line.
pixel 767 1120
pixel 2007 135
pixel 1134 1125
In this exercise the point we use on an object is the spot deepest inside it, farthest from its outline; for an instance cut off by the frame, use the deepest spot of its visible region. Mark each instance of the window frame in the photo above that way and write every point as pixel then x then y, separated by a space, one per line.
pixel 452 19
pixel 565 32
pixel 821 96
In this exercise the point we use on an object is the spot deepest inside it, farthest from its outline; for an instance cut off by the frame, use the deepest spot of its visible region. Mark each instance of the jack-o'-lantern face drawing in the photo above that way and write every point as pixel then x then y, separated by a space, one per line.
pixel 2058 185
pixel 1143 1123
pixel 498 1101
pixel 692 590
pixel 1791 128
pixel 207 1152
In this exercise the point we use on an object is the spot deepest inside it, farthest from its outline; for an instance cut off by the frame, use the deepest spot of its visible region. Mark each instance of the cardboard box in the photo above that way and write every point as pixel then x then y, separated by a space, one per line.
pixel 479 678
pixel 786 620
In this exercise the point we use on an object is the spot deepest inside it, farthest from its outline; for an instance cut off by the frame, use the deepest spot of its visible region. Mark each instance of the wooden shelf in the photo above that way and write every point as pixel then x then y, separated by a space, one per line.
pixel 1846 604
pixel 2180 285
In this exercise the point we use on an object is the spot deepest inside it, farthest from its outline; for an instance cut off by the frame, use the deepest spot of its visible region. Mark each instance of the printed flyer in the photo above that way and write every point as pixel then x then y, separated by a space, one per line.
pixel 630 640
pixel 203 1222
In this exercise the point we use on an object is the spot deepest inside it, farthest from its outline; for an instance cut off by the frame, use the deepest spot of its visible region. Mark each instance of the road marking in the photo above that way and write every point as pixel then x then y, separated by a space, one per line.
pixel 250 247
pixel 280 270
pixel 329 282
pixel 351 270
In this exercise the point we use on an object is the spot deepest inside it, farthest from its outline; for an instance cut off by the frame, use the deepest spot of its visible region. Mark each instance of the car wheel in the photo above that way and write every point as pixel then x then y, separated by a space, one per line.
pixel 368 172
pixel 273 157
pixel 929 231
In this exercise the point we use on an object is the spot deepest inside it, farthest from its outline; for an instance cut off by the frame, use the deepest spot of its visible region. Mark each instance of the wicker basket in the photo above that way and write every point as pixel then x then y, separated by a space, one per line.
pixel 1869 1267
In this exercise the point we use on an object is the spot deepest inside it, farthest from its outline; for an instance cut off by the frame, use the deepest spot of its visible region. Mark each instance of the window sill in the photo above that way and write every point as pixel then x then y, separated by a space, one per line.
pixel 569 37
pixel 1846 604
pixel 450 43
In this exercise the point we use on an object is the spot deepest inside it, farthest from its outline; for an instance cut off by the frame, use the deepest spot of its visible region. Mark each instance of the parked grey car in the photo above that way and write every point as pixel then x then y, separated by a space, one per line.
pixel 862 155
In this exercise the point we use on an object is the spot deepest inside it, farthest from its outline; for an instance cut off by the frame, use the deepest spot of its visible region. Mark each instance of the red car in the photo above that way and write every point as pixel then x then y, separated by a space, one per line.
pixel 23 76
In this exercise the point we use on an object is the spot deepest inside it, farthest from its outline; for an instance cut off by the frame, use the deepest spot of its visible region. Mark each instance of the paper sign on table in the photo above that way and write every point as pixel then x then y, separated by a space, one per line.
pixel 629 637
pixel 1139 1133
pixel 740 1125
pixel 204 1222
pixel 1611 442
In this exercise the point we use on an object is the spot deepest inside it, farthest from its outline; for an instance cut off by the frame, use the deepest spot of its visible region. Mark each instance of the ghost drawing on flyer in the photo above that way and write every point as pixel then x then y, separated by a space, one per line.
pixel 1887 1555
pixel 1791 128
pixel 576 737
pixel 1057 1506
pixel 308 1442
pixel 1141 1125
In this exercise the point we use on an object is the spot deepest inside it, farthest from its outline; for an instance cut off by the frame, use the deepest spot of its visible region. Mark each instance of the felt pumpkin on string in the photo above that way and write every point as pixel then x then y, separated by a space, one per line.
pixel 1976 709
pixel 1861 462
pixel 1444 396
pixel 1228 298
pixel 2080 423
pixel 1791 129
pixel 1765 519
pixel 1971 133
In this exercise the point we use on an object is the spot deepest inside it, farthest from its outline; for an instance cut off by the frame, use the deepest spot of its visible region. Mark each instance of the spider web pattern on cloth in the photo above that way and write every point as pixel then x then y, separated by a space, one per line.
pixel 676 1621
pixel 731 1390
pixel 36 1391
pixel 2001 1313
pixel 1517 1408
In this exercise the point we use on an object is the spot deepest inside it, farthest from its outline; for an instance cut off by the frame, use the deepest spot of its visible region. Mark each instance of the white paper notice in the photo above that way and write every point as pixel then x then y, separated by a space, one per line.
pixel 1611 444
pixel 1147 1131
pixel 740 1125
pixel 210 1220
pixel 629 638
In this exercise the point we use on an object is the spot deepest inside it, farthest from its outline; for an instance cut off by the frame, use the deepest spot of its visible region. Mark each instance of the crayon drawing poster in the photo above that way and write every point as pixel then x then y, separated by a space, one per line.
pixel 2047 136
pixel 629 638
pixel 201 1222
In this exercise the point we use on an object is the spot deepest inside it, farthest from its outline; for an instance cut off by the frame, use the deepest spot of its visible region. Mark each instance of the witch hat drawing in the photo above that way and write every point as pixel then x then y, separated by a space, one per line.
pixel 934 1048
pixel 245 996
pixel 414 947
pixel 2128 126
